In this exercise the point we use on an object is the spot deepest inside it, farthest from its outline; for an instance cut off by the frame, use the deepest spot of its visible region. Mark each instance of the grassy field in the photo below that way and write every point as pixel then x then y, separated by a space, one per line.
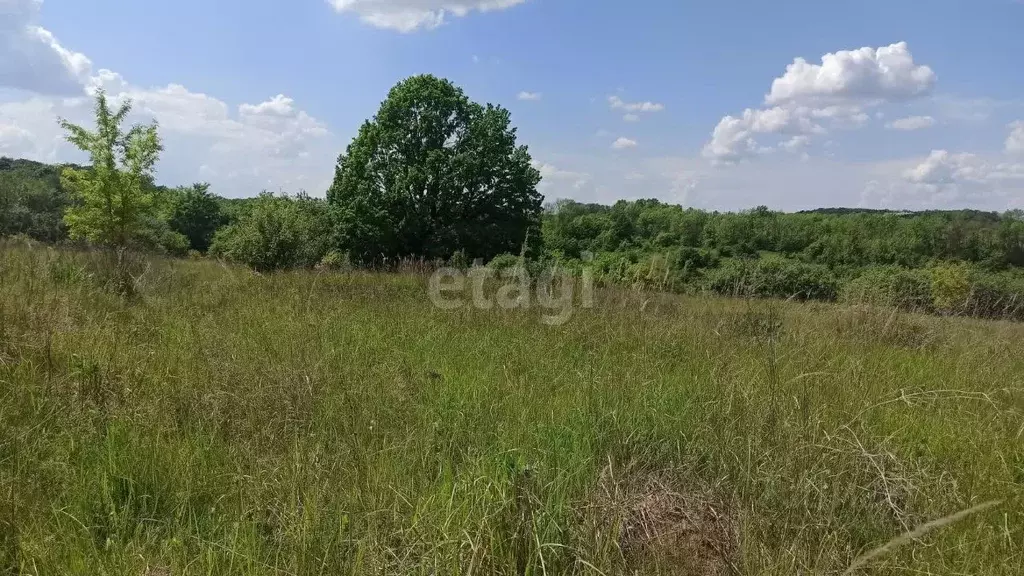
pixel 223 422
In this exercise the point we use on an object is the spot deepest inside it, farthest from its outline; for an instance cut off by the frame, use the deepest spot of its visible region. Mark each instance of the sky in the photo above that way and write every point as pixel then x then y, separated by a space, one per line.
pixel 723 105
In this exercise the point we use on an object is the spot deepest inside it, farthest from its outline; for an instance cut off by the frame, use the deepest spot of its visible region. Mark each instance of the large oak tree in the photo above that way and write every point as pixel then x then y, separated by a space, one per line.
pixel 434 173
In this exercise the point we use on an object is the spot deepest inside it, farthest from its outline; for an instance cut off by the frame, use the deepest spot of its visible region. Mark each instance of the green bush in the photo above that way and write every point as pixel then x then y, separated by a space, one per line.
pixel 173 243
pixel 334 261
pixel 999 295
pixel 773 276
pixel 504 262
pixel 890 286
pixel 278 232
pixel 951 287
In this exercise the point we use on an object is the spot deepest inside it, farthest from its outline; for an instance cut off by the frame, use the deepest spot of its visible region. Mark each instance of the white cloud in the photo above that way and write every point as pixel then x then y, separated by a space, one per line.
pixel 630 117
pixel 31 59
pixel 622 143
pixel 886 73
pixel 1015 141
pixel 911 123
pixel 267 145
pixel 411 15
pixel 559 179
pixel 942 167
pixel 962 179
pixel 618 104
pixel 531 96
pixel 733 138
pixel 808 99
pixel 28 128
pixel 795 143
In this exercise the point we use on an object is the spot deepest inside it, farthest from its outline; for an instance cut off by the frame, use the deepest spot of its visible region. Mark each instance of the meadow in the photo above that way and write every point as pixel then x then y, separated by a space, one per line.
pixel 318 423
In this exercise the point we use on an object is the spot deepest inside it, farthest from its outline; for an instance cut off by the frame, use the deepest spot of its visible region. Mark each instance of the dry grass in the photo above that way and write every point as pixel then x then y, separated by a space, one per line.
pixel 222 422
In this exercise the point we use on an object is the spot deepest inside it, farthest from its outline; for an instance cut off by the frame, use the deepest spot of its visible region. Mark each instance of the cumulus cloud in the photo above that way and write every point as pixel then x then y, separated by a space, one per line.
pixel 942 167
pixel 911 123
pixel 947 179
pixel 617 103
pixel 886 73
pixel 267 145
pixel 734 137
pixel 622 143
pixel 31 58
pixel 411 15
pixel 808 99
pixel 1015 141
pixel 630 117
pixel 959 179
pixel 530 96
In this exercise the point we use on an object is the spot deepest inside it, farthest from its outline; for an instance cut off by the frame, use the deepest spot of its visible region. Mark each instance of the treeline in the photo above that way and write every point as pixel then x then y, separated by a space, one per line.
pixel 34 201
pixel 962 261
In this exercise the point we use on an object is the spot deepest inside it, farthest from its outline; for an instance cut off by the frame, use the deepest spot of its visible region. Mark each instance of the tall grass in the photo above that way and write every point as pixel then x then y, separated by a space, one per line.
pixel 222 422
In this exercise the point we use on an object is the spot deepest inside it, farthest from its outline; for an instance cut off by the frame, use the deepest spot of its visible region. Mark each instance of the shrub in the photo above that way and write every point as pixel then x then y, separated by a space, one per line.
pixel 773 276
pixel 890 286
pixel 459 260
pixel 996 296
pixel 951 287
pixel 334 261
pixel 278 232
pixel 504 262
pixel 172 242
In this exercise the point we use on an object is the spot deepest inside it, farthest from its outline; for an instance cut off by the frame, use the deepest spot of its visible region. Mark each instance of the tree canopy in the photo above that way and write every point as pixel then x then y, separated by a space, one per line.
pixel 115 207
pixel 434 173
pixel 196 214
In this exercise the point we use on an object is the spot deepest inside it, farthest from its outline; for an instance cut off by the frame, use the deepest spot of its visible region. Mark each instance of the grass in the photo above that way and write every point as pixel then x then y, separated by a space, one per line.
pixel 222 422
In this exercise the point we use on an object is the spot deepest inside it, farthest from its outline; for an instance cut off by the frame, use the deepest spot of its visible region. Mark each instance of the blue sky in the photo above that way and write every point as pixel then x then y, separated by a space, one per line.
pixel 901 104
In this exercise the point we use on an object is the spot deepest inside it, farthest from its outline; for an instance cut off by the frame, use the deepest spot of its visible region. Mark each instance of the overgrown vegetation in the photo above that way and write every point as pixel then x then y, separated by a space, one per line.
pixel 224 422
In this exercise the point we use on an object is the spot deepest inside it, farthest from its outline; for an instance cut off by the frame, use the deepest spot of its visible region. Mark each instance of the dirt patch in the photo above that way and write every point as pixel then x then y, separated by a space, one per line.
pixel 667 525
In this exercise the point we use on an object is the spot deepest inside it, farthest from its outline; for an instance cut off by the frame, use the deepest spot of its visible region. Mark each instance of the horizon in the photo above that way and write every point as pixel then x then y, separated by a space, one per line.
pixel 800 108
pixel 549 203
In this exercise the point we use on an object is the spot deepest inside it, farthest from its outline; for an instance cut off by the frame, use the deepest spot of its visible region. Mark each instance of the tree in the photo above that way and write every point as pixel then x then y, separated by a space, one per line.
pixel 31 207
pixel 196 214
pixel 434 173
pixel 115 208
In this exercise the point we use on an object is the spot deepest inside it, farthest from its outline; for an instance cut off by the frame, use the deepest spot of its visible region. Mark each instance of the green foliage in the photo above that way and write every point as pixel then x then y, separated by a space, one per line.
pixel 278 232
pixel 114 207
pixel 334 261
pixel 434 173
pixel 892 286
pixel 459 260
pixel 835 238
pixel 171 242
pixel 951 287
pixel 196 214
pixel 506 262
pixel 774 276
pixel 996 295
pixel 32 201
